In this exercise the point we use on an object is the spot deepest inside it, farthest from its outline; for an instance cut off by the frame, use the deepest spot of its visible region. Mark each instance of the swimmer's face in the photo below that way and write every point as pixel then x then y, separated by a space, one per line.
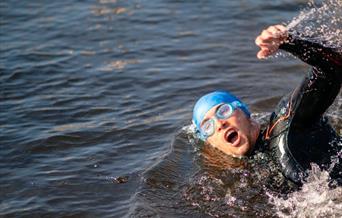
pixel 235 135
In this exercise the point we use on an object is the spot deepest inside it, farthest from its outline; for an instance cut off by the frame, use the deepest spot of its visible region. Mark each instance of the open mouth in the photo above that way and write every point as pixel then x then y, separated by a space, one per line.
pixel 232 137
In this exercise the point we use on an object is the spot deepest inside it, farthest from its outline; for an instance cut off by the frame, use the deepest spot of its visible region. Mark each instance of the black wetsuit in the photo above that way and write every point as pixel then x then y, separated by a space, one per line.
pixel 297 132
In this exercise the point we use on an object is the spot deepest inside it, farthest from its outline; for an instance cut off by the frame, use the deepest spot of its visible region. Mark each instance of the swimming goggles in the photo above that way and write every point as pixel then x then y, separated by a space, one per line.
pixel 224 111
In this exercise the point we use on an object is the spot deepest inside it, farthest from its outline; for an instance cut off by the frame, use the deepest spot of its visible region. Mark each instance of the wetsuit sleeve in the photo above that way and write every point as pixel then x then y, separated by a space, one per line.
pixel 322 84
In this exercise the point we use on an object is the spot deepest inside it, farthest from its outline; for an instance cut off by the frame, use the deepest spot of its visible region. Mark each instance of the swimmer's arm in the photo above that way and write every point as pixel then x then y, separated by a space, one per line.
pixel 320 87
pixel 325 58
pixel 322 84
pixel 277 37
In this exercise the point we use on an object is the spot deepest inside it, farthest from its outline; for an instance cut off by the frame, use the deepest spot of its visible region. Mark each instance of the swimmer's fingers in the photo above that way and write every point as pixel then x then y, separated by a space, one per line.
pixel 281 28
pixel 266 43
pixel 261 54
pixel 279 31
pixel 265 52
pixel 270 45
pixel 265 39
pixel 264 47
pixel 262 41
pixel 270 39
pixel 276 32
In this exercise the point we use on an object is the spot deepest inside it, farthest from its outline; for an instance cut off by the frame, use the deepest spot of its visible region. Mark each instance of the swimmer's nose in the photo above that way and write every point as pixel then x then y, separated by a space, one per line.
pixel 222 124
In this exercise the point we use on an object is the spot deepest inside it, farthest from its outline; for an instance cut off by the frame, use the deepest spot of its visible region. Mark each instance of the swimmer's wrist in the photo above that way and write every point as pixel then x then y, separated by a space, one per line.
pixel 288 41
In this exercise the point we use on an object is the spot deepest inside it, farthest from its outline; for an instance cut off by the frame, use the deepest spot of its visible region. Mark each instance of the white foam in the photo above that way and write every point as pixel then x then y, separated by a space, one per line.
pixel 315 199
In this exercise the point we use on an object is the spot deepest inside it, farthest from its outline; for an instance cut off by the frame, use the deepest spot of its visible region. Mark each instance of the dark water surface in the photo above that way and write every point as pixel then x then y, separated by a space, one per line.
pixel 94 96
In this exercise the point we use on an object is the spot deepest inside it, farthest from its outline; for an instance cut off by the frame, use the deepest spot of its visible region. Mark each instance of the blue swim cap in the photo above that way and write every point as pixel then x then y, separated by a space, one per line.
pixel 206 102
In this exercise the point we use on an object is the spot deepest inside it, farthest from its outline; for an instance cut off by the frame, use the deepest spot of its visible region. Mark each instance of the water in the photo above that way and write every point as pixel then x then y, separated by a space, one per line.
pixel 96 100
pixel 315 199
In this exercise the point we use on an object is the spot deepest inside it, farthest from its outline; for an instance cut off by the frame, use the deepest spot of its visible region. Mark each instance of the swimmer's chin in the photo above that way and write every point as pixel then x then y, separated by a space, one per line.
pixel 242 150
pixel 239 156
pixel 246 151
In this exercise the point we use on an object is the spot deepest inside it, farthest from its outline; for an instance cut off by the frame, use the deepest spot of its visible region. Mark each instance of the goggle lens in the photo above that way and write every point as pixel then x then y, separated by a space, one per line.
pixel 224 111
pixel 208 127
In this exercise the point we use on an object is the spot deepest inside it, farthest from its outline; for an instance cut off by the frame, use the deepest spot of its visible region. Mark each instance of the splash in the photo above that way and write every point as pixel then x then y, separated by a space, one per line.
pixel 315 199
pixel 320 21
pixel 189 129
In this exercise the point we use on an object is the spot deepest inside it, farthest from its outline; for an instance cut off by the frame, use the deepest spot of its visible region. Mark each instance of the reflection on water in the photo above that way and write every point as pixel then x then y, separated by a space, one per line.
pixel 100 11
pixel 93 94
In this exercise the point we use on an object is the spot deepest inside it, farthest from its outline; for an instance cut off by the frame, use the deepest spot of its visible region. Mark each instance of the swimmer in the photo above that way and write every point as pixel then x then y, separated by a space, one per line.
pixel 297 131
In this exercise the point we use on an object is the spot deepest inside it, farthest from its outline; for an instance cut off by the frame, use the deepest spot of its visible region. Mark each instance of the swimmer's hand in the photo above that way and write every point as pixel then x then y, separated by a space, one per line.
pixel 270 39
